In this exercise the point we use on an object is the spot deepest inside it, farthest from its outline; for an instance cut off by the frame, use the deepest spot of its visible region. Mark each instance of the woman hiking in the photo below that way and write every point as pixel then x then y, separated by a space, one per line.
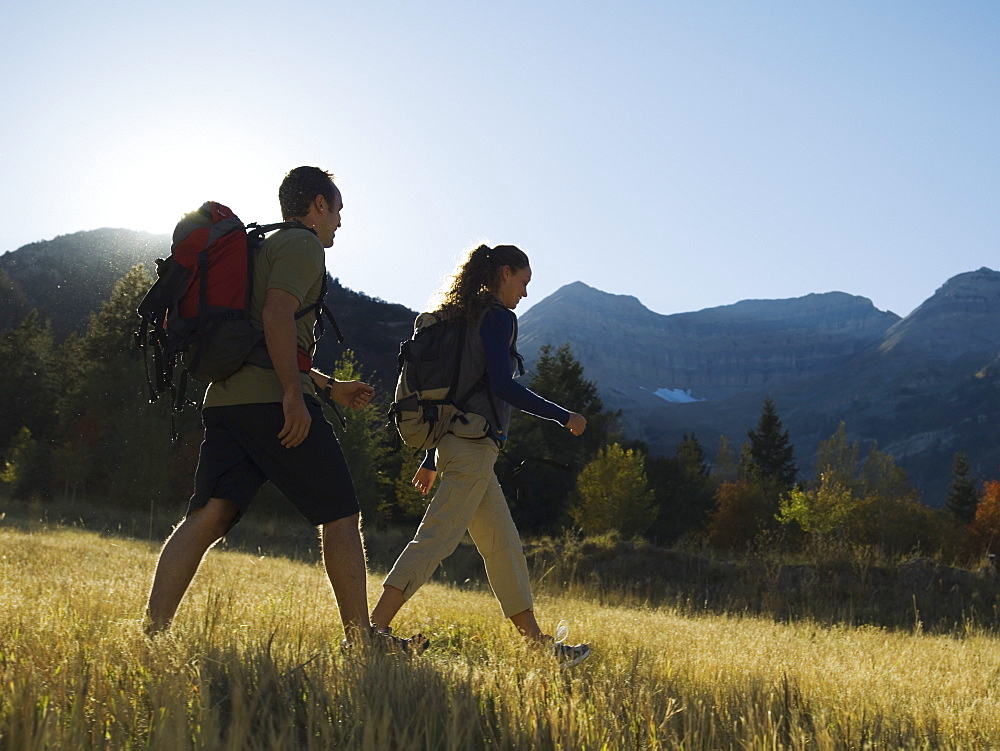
pixel 484 290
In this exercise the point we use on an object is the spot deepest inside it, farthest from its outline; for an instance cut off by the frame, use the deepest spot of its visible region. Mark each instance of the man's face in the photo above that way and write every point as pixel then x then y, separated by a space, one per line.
pixel 329 219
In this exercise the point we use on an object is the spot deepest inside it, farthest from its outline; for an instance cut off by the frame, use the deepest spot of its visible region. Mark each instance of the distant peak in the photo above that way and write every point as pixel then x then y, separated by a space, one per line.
pixel 980 276
pixel 959 317
pixel 582 290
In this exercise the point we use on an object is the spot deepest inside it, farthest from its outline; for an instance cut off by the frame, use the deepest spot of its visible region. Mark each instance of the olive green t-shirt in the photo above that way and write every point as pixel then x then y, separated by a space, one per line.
pixel 292 260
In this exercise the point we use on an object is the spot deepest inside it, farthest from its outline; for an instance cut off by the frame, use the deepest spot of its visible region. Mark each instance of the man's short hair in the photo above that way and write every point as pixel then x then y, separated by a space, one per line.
pixel 300 187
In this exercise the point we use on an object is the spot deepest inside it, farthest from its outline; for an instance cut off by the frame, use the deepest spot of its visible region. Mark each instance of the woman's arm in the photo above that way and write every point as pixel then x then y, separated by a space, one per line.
pixel 496 331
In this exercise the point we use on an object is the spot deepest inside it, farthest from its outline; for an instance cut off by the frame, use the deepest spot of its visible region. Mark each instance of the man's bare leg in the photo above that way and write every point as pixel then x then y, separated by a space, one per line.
pixel 180 557
pixel 344 558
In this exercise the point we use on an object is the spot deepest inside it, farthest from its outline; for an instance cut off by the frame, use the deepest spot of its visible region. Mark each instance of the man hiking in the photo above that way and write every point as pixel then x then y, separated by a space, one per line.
pixel 266 423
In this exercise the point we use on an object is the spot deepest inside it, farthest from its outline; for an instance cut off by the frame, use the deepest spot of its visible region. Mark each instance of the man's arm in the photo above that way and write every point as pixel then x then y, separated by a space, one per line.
pixel 351 394
pixel 280 335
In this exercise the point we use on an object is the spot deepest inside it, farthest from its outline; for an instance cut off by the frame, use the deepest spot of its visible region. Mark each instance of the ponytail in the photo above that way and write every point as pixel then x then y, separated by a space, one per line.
pixel 473 284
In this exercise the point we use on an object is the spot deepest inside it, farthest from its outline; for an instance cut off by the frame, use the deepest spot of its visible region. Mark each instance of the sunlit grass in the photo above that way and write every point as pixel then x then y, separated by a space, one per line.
pixel 253 662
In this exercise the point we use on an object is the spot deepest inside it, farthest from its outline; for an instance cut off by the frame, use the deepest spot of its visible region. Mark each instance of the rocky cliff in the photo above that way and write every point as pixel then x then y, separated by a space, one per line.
pixel 714 353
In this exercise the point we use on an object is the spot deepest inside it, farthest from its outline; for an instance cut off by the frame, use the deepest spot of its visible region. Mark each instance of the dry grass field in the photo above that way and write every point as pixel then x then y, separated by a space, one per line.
pixel 253 662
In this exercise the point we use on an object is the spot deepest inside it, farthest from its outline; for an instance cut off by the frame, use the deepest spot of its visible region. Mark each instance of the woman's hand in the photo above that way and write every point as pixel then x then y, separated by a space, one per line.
pixel 576 424
pixel 423 480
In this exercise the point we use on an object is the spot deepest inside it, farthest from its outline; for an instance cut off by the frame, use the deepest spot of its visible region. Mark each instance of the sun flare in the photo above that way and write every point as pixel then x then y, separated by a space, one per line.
pixel 149 182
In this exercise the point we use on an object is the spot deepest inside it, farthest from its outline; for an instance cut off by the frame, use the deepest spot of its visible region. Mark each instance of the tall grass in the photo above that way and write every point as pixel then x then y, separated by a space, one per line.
pixel 253 662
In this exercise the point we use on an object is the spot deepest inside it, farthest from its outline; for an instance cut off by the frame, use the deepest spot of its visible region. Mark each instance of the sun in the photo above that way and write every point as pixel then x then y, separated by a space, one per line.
pixel 149 182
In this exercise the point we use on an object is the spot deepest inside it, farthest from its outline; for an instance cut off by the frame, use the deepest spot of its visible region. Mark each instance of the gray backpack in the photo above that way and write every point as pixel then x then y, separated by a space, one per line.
pixel 433 389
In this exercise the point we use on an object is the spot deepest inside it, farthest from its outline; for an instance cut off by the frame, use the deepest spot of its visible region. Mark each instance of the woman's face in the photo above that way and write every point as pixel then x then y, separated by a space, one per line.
pixel 513 285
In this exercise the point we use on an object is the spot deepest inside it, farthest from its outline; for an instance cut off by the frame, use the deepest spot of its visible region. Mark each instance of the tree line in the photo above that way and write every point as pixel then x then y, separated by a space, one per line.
pixel 77 424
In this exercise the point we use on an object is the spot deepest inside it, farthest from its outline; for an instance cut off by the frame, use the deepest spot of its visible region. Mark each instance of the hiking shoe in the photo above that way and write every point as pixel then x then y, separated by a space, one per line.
pixel 567 655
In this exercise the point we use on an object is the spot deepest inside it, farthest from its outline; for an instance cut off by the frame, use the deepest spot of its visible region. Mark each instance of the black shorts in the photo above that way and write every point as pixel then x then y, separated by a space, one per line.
pixel 241 451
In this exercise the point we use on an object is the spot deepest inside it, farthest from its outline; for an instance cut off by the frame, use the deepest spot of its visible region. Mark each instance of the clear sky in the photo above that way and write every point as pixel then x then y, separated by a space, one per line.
pixel 692 154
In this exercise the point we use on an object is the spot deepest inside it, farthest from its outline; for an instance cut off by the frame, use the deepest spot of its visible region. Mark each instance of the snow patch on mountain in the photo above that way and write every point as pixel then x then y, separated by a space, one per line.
pixel 676 396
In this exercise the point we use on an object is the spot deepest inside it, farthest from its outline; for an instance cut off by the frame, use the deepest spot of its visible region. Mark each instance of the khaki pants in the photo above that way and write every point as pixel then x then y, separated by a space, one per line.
pixel 469 497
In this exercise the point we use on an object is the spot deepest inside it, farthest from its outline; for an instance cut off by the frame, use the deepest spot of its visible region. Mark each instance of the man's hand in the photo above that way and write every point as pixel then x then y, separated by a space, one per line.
pixel 424 480
pixel 351 394
pixel 297 420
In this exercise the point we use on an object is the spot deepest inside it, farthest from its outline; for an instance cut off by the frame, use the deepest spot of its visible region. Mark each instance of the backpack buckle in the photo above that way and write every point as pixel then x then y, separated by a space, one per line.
pixel 430 413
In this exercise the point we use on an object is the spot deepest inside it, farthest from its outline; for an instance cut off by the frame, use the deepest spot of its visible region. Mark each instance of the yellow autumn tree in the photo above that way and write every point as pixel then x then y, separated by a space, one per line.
pixel 614 493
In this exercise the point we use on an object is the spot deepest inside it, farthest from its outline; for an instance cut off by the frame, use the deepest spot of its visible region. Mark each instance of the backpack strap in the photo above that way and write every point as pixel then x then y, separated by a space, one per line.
pixel 483 382
pixel 513 345
pixel 260 356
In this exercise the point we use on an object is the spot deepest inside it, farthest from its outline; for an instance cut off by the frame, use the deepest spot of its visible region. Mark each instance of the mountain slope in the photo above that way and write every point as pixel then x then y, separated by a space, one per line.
pixel 713 353
pixel 922 387
pixel 69 277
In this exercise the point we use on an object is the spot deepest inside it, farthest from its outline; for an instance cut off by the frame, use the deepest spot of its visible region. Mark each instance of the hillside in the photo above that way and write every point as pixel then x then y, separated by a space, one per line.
pixel 68 278
pixel 922 387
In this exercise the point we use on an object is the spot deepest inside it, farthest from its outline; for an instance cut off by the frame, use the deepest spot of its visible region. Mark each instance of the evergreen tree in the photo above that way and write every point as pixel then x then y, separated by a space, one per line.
pixel 407 504
pixel 24 471
pixel 962 494
pixel 128 439
pixel 538 466
pixel 364 444
pixel 725 468
pixel 614 494
pixel 29 381
pixel 684 492
pixel 772 452
pixel 750 505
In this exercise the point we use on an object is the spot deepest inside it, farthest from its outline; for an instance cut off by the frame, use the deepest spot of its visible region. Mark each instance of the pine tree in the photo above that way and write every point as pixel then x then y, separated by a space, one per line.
pixel 129 441
pixel 771 451
pixel 364 444
pixel 545 456
pixel 28 379
pixel 962 494
pixel 725 467
pixel 683 490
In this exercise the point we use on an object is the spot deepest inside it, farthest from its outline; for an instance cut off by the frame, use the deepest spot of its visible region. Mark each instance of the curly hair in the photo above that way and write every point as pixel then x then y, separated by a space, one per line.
pixel 300 187
pixel 474 283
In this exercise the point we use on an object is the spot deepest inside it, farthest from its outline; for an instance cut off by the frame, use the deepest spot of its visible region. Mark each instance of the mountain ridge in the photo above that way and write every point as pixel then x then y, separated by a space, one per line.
pixel 921 387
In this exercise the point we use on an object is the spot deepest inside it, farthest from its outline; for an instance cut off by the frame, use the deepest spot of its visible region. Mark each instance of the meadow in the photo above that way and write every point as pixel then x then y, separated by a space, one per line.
pixel 253 661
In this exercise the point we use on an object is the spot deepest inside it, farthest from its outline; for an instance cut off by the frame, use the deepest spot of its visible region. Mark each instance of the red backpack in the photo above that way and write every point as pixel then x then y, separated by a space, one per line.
pixel 195 314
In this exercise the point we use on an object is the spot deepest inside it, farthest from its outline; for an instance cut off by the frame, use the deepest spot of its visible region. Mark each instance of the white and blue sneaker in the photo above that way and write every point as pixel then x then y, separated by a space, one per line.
pixel 567 655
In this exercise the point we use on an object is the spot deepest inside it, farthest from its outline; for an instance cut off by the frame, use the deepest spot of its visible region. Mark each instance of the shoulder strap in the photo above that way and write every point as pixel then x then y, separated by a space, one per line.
pixel 513 343
pixel 255 235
